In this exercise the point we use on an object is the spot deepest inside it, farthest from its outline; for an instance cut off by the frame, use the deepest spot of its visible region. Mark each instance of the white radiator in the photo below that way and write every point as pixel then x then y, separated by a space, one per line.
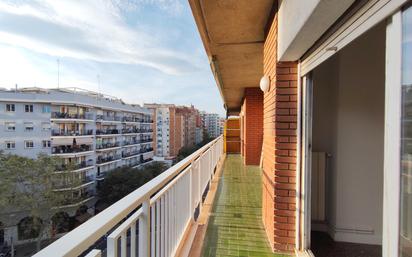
pixel 318 185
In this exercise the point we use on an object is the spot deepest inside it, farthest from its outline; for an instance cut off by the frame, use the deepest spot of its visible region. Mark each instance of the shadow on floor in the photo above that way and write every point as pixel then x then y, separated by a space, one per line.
pixel 324 246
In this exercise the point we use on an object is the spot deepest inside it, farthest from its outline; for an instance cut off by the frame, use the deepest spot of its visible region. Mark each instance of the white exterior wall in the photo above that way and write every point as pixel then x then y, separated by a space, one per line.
pixel 211 122
pixel 19 117
pixel 162 131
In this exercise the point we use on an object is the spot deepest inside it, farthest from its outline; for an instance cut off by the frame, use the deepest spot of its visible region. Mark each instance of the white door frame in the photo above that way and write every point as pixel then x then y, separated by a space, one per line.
pixel 392 158
pixel 305 164
pixel 392 171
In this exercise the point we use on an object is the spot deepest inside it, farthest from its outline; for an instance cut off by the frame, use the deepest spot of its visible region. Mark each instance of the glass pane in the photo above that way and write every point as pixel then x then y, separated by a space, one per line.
pixel 406 180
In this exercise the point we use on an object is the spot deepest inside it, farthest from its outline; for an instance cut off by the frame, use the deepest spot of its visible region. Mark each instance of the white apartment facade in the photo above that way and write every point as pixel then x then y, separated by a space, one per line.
pixel 93 132
pixel 212 124
pixel 162 131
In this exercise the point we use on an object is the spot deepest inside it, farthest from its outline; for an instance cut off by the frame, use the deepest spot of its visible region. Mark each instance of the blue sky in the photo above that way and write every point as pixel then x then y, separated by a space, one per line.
pixel 142 50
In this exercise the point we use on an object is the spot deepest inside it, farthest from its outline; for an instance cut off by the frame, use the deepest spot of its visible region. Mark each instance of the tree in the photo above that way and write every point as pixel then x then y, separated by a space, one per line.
pixel 29 185
pixel 188 150
pixel 122 181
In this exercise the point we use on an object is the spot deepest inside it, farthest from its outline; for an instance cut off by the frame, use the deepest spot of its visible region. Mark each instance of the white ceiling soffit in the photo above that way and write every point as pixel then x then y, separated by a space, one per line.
pixel 301 23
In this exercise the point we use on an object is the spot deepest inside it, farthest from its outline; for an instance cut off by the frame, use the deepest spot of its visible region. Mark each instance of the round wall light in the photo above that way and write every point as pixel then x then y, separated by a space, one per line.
pixel 265 83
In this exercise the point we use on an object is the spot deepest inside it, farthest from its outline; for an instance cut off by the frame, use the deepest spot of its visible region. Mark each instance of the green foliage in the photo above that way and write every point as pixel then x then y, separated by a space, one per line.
pixel 29 185
pixel 188 150
pixel 122 181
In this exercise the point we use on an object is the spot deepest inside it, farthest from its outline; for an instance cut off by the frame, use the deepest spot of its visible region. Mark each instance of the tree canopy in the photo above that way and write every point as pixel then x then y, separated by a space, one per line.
pixel 122 181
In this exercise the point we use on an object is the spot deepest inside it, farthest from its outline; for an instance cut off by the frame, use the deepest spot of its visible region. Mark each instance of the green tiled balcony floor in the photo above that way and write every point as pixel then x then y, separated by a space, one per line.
pixel 235 225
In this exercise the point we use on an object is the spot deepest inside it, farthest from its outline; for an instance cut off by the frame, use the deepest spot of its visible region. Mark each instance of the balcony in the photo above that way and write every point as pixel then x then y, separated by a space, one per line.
pixel 131 143
pixel 108 119
pixel 84 181
pixel 82 166
pixel 130 154
pixel 156 215
pixel 107 160
pixel 72 150
pixel 107 132
pixel 72 133
pixel 136 131
pixel 77 201
pixel 107 146
pixel 64 117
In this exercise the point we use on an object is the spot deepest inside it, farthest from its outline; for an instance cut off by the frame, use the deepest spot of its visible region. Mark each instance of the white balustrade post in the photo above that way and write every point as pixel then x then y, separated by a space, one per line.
pixel 192 168
pixel 144 230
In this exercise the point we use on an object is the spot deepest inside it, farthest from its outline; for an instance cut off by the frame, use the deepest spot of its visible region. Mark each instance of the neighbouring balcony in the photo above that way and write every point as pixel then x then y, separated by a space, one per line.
pixel 103 160
pixel 107 145
pixel 136 131
pixel 75 167
pixel 108 118
pixel 154 216
pixel 131 142
pixel 131 119
pixel 71 149
pixel 107 132
pixel 84 181
pixel 130 154
pixel 71 116
pixel 83 198
pixel 72 133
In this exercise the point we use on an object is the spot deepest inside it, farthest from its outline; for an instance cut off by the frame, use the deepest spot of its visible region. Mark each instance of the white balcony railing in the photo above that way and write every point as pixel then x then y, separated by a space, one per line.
pixel 152 220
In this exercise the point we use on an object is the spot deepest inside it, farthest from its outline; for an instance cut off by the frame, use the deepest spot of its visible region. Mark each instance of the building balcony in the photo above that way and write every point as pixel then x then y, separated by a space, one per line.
pixel 131 143
pixel 78 167
pixel 109 119
pixel 77 201
pixel 69 117
pixel 73 133
pixel 136 131
pixel 72 150
pixel 107 146
pixel 158 214
pixel 107 133
pixel 84 182
pixel 107 160
pixel 131 154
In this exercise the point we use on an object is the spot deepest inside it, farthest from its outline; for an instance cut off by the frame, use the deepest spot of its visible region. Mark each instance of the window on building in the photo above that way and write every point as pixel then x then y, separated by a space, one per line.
pixel 46 143
pixel 45 126
pixel 28 126
pixel 28 108
pixel 46 109
pixel 10 108
pixel 10 126
pixel 28 144
pixel 10 145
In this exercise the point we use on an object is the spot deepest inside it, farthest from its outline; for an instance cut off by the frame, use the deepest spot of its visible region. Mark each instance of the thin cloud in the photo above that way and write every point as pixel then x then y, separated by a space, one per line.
pixel 93 30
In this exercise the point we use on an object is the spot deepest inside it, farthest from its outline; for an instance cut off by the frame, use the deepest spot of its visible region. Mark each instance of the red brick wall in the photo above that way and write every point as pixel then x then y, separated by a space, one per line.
pixel 279 147
pixel 252 116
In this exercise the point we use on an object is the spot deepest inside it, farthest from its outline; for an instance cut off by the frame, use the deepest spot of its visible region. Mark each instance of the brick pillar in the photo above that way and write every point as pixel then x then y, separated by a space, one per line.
pixel 279 148
pixel 252 116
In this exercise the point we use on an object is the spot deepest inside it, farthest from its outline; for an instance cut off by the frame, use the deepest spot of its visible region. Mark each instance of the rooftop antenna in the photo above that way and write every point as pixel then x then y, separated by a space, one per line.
pixel 58 73
pixel 98 84
pixel 15 87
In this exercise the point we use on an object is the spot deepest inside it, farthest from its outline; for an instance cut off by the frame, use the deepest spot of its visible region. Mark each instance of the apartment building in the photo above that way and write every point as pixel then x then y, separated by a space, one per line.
pixel 175 127
pixel 190 119
pixel 166 129
pixel 92 132
pixel 212 124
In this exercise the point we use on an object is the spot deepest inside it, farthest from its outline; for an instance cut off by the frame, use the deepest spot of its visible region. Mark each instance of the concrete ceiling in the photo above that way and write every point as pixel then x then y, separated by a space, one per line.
pixel 233 33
